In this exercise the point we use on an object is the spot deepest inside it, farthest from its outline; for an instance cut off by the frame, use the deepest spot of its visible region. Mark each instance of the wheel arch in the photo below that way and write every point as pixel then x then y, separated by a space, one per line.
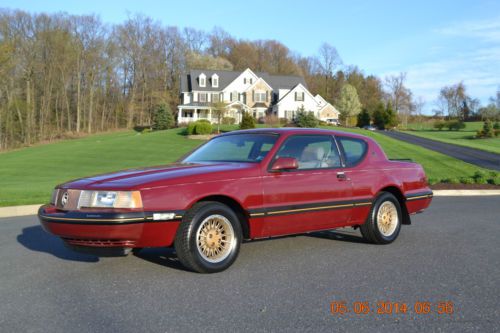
pixel 394 190
pixel 235 206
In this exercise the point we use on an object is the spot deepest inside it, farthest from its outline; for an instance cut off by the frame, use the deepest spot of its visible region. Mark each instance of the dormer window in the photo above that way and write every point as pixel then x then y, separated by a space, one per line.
pixel 202 79
pixel 215 81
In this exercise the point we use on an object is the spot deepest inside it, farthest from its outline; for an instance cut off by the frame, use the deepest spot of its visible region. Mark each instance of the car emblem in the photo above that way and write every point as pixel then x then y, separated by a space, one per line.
pixel 64 199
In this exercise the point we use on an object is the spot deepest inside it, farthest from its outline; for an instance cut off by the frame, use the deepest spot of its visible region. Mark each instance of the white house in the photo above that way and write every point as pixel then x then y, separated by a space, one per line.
pixel 260 94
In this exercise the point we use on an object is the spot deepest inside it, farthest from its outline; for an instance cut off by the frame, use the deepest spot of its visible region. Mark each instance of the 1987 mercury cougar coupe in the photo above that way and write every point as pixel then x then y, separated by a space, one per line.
pixel 242 185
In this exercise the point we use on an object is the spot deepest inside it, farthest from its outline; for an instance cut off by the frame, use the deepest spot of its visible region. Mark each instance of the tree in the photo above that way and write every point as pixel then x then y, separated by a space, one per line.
pixel 305 118
pixel 247 121
pixel 163 118
pixel 453 101
pixel 219 110
pixel 384 116
pixel 399 96
pixel 348 104
pixel 328 61
pixel 363 118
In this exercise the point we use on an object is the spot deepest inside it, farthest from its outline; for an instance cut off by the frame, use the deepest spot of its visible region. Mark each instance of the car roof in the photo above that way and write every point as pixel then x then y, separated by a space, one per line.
pixel 295 130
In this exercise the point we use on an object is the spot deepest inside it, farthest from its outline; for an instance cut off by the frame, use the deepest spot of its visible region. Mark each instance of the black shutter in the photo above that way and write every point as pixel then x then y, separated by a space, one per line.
pixel 253 96
pixel 267 96
pixel 295 95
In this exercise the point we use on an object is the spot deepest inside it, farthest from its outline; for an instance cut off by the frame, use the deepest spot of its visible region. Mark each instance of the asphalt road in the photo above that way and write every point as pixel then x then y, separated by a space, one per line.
pixel 450 253
pixel 470 155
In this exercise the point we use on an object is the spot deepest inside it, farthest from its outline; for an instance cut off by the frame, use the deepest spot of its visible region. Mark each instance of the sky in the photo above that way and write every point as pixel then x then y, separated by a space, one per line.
pixel 437 43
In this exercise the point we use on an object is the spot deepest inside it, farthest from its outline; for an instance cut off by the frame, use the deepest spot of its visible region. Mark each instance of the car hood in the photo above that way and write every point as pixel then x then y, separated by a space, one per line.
pixel 134 179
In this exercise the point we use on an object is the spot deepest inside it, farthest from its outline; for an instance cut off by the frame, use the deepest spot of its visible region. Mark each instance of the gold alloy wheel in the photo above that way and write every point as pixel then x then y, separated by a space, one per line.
pixel 387 218
pixel 215 238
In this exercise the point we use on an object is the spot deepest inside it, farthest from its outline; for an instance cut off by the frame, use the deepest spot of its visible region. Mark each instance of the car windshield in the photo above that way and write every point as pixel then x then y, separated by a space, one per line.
pixel 234 148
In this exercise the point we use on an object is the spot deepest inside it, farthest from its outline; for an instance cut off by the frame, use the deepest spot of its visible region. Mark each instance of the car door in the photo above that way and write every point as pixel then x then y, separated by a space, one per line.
pixel 360 174
pixel 311 197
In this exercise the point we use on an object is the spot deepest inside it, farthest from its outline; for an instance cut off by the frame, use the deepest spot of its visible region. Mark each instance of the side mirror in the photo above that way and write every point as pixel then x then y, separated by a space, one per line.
pixel 285 163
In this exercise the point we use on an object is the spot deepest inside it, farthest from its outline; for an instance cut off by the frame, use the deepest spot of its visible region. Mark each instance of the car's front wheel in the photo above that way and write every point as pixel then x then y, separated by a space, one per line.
pixel 384 222
pixel 209 237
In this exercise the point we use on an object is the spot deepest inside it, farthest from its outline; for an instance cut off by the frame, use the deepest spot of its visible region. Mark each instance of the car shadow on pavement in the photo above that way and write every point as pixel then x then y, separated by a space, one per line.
pixel 161 256
pixel 36 239
pixel 343 236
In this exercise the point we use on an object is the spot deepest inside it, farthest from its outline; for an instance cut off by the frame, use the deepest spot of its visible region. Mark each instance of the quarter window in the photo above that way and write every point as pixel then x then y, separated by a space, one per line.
pixel 311 151
pixel 354 150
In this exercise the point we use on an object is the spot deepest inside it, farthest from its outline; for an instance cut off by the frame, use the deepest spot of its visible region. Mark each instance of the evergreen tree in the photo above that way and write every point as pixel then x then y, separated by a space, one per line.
pixel 391 119
pixel 162 118
pixel 247 121
pixel 305 118
pixel 379 116
pixel 363 118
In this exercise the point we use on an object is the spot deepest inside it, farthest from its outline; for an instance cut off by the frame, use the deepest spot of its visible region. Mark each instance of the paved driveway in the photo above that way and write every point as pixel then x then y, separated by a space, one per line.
pixel 470 155
pixel 450 254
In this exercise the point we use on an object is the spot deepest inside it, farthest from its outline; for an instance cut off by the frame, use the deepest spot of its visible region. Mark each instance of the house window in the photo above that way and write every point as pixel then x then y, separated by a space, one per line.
pixel 245 80
pixel 215 80
pixel 251 81
pixel 215 98
pixel 299 96
pixel 260 96
pixel 234 96
pixel 203 97
pixel 202 80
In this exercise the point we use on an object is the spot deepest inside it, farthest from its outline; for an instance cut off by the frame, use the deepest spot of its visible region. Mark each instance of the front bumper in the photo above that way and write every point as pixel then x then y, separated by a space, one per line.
pixel 118 229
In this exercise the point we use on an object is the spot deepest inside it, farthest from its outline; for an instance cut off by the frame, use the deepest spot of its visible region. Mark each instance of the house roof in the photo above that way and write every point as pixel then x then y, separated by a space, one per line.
pixel 189 81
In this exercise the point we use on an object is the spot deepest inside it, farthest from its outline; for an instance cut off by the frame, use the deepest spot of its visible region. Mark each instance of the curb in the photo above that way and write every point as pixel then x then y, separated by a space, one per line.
pixel 18 211
pixel 463 193
pixel 33 209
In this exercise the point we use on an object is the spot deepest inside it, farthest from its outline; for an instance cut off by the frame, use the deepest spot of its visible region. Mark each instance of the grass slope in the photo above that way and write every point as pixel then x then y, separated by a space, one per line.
pixel 27 176
pixel 463 137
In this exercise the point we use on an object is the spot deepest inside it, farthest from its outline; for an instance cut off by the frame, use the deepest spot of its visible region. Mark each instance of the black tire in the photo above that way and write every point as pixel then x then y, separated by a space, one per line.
pixel 370 229
pixel 186 242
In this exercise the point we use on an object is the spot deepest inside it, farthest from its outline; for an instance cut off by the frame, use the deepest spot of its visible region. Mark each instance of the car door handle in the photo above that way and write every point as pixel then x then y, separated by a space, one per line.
pixel 341 176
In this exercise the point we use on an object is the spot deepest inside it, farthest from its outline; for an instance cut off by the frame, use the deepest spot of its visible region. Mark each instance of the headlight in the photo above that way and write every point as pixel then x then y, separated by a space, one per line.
pixel 110 199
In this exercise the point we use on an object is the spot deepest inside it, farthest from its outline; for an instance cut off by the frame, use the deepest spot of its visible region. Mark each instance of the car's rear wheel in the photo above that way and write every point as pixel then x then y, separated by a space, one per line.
pixel 209 237
pixel 384 222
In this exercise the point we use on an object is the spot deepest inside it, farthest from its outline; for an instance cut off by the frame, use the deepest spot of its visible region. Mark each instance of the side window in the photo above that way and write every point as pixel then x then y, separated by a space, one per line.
pixel 354 150
pixel 311 151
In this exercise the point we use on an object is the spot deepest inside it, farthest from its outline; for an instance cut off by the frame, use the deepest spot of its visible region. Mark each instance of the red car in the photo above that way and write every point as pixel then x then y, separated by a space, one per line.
pixel 242 185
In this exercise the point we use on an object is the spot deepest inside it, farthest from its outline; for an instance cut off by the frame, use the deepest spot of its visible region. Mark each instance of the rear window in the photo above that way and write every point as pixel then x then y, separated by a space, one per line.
pixel 354 150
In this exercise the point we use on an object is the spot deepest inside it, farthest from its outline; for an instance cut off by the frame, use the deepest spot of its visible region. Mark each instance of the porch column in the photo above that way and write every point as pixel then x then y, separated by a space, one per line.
pixel 209 116
pixel 195 115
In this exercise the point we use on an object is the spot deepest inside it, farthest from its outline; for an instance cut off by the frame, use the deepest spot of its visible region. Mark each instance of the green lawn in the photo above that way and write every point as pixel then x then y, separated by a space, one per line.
pixel 463 137
pixel 27 176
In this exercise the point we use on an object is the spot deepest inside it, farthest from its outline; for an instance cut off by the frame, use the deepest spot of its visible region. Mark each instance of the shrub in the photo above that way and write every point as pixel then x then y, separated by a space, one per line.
pixel 162 118
pixel 142 128
pixel 451 181
pixel 306 119
pixel 494 181
pixel 228 121
pixel 439 125
pixel 455 125
pixel 466 180
pixel 283 121
pixel 487 131
pixel 496 125
pixel 247 121
pixel 190 128
pixel 203 128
